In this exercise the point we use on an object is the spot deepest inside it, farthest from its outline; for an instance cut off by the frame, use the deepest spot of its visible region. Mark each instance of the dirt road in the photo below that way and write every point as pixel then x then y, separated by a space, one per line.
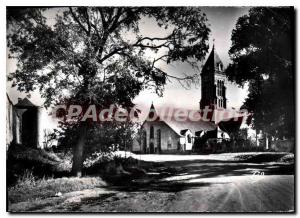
pixel 268 194
pixel 188 186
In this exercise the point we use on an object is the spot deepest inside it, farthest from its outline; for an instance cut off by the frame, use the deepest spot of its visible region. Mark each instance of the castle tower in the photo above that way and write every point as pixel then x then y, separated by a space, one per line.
pixel 213 83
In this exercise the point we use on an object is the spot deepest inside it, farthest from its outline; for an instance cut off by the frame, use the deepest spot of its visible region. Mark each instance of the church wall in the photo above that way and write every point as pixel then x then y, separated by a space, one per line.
pixel 169 138
pixel 207 86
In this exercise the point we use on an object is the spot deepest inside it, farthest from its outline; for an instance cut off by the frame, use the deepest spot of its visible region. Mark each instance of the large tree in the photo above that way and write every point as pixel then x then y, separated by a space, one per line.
pixel 262 56
pixel 98 55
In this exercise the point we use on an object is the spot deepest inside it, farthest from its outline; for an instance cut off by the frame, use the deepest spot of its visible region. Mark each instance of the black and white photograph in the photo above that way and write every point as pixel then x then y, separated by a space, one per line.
pixel 150 109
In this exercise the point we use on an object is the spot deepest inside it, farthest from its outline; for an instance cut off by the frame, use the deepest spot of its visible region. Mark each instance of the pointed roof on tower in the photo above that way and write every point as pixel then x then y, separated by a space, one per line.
pixel 213 59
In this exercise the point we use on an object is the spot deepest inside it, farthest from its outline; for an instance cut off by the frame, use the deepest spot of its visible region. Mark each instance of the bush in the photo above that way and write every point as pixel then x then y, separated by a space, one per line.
pixel 21 159
pixel 107 163
pixel 260 157
pixel 289 158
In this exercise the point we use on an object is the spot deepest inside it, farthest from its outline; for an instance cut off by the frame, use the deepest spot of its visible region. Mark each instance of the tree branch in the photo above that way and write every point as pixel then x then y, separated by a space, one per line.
pixel 115 19
pixel 88 20
pixel 78 21
pixel 104 23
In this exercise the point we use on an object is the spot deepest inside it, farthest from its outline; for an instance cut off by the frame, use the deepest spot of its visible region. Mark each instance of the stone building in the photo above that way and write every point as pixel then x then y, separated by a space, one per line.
pixel 23 123
pixel 168 135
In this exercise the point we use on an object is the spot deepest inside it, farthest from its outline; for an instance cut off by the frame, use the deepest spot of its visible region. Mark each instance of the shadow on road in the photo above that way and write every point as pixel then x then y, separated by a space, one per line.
pixel 175 176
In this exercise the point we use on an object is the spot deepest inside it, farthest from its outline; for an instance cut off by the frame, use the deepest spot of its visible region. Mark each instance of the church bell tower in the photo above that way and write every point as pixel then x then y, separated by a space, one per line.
pixel 213 83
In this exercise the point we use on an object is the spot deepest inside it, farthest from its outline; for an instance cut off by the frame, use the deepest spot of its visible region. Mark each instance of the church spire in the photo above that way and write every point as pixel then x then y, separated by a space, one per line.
pixel 153 116
pixel 213 58
pixel 152 106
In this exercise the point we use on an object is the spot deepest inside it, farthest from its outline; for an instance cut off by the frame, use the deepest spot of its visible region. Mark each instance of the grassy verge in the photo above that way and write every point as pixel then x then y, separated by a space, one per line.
pixel 29 188
pixel 39 174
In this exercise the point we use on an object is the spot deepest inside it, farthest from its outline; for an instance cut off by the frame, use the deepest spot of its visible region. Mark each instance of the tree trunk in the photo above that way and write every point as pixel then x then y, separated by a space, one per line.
pixel 78 151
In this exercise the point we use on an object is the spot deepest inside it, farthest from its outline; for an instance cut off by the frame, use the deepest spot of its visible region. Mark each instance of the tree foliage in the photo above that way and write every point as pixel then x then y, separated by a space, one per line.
pixel 262 56
pixel 93 50
pixel 104 137
pixel 99 55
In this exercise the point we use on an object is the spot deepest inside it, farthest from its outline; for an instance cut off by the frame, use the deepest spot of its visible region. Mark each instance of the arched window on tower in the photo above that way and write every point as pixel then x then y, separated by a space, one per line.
pixel 220 88
pixel 158 138
pixel 219 85
pixel 151 132
pixel 144 143
pixel 189 138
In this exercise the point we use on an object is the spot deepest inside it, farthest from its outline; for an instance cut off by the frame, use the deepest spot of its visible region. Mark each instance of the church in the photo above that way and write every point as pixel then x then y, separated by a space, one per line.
pixel 164 135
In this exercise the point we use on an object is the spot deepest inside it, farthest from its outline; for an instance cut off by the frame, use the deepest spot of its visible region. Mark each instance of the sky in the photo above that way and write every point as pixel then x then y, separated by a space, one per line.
pixel 221 21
